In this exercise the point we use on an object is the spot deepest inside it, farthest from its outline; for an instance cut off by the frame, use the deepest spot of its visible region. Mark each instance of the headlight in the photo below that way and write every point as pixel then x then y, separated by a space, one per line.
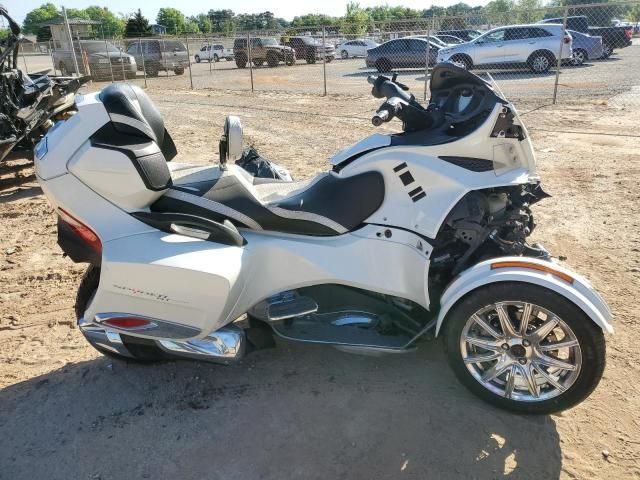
pixel 103 60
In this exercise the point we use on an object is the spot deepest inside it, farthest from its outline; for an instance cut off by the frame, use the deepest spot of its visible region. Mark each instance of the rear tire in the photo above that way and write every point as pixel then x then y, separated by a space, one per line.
pixel 241 61
pixel 383 65
pixel 197 59
pixel 272 60
pixel 310 57
pixel 579 57
pixel 344 54
pixel 179 70
pixel 589 346
pixel 540 62
pixel 152 70
pixel 216 58
pixel 143 351
pixel 607 51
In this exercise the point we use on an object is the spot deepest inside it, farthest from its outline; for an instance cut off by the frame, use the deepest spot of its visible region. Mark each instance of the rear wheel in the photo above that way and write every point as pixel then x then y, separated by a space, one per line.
pixel 179 70
pixel 540 62
pixel 144 351
pixel 524 348
pixel 579 57
pixel 216 58
pixel 197 59
pixel 241 61
pixel 272 60
pixel 344 54
pixel 383 65
pixel 607 51
pixel 310 57
pixel 152 69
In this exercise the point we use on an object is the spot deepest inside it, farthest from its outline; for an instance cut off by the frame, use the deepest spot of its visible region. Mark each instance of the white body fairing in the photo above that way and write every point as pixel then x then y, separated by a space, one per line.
pixel 580 292
pixel 206 285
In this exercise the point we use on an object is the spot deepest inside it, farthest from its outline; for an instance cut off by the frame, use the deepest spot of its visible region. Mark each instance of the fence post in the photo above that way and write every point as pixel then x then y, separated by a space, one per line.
pixel 24 59
pixel 250 59
pixel 209 50
pixel 124 75
pixel 564 31
pixel 106 49
pixel 53 62
pixel 73 49
pixel 426 65
pixel 186 37
pixel 144 71
pixel 324 59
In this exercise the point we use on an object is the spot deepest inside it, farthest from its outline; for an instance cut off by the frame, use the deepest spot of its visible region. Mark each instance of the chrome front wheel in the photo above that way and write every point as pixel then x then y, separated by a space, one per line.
pixel 524 347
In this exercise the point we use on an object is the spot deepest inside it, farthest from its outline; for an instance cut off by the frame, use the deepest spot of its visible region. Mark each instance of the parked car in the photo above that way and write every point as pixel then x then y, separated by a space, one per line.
pixel 401 53
pixel 462 34
pixel 585 47
pixel 102 60
pixel 535 46
pixel 355 48
pixel 213 52
pixel 449 39
pixel 154 55
pixel 310 48
pixel 612 37
pixel 262 50
pixel 434 40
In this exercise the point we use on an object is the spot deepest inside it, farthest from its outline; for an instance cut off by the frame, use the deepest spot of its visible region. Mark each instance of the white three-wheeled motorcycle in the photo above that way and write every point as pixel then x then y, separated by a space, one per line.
pixel 414 233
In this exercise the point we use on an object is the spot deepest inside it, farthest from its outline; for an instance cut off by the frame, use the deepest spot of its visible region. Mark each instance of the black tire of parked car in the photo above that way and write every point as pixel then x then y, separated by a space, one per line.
pixel 310 56
pixel 241 60
pixel 216 58
pixel 344 54
pixel 179 70
pixel 143 350
pixel 590 336
pixel 383 65
pixel 579 56
pixel 272 59
pixel 291 60
pixel 152 69
pixel 463 60
pixel 258 63
pixel 541 61
pixel 607 50
pixel 197 58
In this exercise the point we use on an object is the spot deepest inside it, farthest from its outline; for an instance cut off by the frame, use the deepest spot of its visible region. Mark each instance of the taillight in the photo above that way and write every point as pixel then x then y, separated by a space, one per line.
pixel 129 323
pixel 81 230
pixel 629 33
pixel 567 39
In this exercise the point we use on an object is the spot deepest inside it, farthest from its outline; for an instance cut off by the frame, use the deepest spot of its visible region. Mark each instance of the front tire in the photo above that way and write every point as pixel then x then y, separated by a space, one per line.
pixel 540 62
pixel 241 61
pixel 216 58
pixel 383 65
pixel 524 348
pixel 463 61
pixel 579 57
pixel 344 54
pixel 197 58
pixel 607 51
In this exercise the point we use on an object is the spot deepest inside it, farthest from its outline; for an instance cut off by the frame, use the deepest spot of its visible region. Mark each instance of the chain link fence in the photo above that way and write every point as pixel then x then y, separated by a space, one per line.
pixel 581 53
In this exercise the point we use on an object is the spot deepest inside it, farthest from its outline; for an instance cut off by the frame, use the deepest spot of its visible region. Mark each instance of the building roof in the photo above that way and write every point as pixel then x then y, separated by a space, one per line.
pixel 72 21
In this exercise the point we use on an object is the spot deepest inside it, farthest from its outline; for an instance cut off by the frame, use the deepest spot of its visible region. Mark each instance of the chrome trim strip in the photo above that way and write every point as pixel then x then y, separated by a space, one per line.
pixel 225 345
pixel 156 329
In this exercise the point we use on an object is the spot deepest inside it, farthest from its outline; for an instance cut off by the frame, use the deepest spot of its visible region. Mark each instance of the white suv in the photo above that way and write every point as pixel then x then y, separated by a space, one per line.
pixel 213 52
pixel 534 45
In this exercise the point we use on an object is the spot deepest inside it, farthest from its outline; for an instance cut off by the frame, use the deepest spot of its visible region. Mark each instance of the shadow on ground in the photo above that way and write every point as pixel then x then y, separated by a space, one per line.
pixel 293 412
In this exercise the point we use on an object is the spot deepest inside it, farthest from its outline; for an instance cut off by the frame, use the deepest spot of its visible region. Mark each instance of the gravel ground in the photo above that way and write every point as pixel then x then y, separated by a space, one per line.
pixel 301 411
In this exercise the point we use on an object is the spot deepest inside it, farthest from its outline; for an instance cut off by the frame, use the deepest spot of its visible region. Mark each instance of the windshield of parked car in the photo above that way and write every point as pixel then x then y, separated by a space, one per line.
pixel 173 46
pixel 98 47
pixel 269 41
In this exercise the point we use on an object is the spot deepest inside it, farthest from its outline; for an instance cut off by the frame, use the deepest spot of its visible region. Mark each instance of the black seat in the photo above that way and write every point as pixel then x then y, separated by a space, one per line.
pixel 133 113
pixel 329 205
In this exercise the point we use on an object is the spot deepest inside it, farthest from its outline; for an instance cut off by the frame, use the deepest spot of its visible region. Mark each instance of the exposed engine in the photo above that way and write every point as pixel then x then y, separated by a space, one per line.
pixel 485 224
pixel 28 102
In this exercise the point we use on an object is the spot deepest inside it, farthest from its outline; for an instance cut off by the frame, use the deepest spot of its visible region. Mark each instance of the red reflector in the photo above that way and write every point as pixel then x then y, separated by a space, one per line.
pixel 85 233
pixel 567 39
pixel 629 33
pixel 129 323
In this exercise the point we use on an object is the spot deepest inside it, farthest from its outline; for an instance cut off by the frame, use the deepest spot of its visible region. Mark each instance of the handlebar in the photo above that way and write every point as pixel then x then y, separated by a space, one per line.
pixel 380 117
pixel 389 88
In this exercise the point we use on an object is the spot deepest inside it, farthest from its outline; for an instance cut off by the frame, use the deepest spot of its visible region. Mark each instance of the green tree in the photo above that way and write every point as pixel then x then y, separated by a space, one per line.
pixel 356 21
pixel 4 33
pixel 222 20
pixel 37 16
pixel 203 21
pixel 312 20
pixel 112 25
pixel 137 26
pixel 172 18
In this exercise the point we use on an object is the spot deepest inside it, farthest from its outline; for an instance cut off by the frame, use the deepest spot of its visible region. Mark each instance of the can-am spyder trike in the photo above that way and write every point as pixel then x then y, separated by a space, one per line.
pixel 414 233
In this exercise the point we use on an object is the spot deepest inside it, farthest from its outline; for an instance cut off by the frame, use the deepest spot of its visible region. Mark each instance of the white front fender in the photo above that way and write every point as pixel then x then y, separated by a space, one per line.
pixel 570 285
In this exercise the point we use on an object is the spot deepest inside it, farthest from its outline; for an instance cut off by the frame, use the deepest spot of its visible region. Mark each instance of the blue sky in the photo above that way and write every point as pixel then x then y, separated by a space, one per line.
pixel 281 8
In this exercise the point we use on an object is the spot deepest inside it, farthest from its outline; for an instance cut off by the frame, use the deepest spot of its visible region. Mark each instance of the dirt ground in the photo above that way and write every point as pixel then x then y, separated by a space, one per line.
pixel 310 412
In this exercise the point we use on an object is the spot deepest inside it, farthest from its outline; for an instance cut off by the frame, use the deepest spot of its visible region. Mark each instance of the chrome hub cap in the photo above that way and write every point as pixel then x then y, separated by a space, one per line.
pixel 540 63
pixel 520 351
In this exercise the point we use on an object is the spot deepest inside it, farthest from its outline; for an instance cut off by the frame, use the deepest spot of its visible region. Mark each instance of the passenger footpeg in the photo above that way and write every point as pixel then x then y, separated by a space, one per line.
pixel 295 306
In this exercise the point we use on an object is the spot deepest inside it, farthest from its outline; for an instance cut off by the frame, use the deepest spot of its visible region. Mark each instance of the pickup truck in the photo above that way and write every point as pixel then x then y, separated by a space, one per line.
pixel 214 52
pixel 612 37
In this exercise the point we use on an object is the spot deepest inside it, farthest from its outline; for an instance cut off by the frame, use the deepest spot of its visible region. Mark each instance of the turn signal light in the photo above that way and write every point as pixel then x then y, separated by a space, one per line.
pixel 85 233
pixel 533 266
